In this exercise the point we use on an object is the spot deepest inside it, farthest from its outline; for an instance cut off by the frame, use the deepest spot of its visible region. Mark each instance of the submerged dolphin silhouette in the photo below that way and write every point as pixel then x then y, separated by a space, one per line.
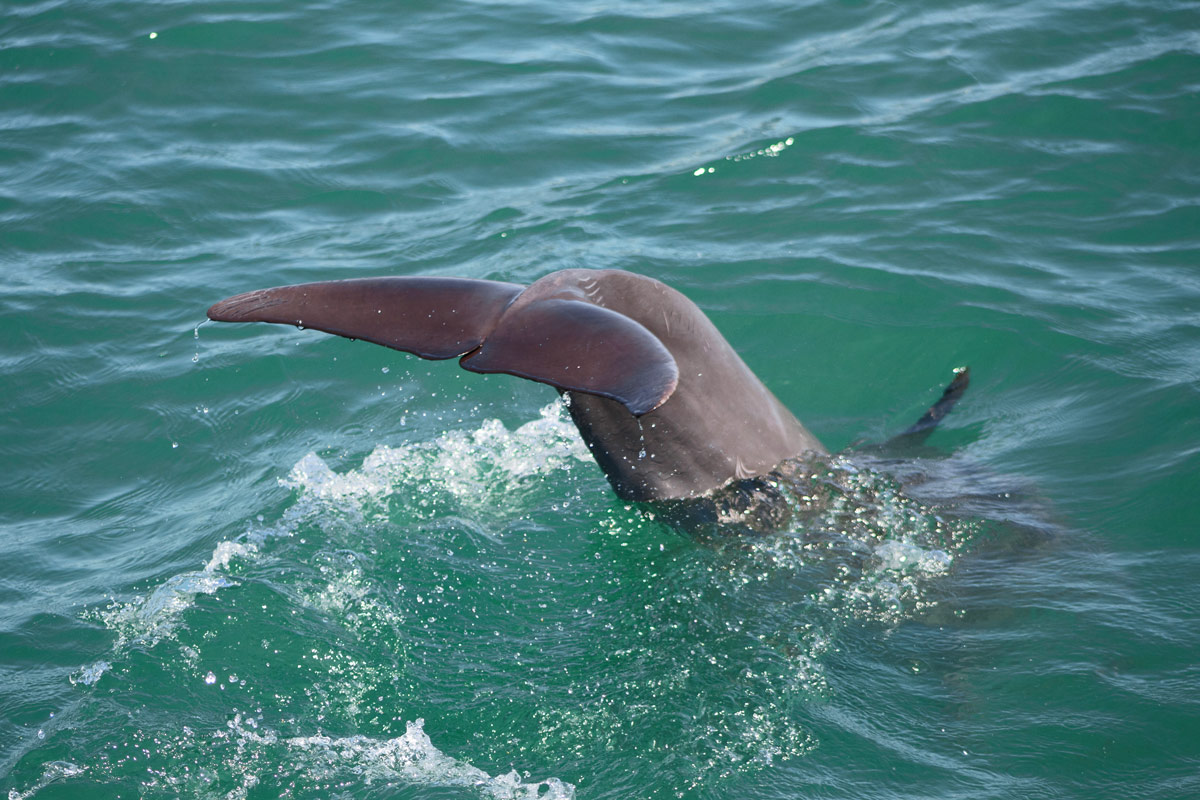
pixel 667 408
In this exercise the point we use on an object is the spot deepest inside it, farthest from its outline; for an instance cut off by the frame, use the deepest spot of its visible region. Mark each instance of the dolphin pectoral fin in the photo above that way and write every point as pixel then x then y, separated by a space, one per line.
pixel 429 317
pixel 576 346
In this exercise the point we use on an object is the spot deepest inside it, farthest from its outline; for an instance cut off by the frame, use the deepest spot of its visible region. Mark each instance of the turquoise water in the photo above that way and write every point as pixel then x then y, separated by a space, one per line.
pixel 251 561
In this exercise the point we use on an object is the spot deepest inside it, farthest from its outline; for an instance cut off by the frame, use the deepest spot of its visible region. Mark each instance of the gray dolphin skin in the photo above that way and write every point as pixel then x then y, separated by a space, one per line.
pixel 667 407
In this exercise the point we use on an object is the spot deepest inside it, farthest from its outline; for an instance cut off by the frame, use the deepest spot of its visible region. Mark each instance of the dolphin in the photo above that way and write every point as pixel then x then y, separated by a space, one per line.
pixel 664 403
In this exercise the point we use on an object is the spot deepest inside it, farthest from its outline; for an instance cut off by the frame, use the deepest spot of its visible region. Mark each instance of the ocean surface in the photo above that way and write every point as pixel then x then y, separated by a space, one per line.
pixel 250 561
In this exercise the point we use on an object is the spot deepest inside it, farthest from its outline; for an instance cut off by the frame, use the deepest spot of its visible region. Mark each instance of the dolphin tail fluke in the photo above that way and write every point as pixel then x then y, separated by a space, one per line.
pixel 429 317
pixel 569 344
pixel 576 346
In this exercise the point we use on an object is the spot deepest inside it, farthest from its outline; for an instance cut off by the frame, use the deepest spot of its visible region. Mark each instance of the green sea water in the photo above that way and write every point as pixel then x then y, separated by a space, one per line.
pixel 257 562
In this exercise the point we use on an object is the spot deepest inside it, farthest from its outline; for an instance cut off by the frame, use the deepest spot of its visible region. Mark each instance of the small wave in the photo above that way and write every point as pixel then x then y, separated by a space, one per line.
pixel 146 620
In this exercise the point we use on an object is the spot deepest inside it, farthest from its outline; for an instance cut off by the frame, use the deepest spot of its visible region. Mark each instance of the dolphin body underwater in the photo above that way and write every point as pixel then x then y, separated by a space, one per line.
pixel 667 408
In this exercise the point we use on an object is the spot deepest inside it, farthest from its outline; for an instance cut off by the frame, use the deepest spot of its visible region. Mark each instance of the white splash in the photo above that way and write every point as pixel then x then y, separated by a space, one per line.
pixel 476 467
pixel 91 673
pixel 148 619
pixel 414 759
pixel 52 773
pixel 909 557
